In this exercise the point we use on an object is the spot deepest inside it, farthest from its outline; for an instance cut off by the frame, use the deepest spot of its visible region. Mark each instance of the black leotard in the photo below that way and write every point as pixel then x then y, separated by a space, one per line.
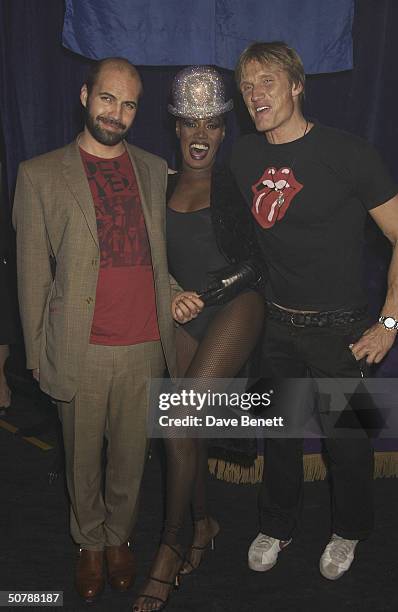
pixel 193 254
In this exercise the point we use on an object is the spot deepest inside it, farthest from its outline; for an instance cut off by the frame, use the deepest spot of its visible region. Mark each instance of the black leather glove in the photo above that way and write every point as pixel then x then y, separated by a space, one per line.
pixel 230 282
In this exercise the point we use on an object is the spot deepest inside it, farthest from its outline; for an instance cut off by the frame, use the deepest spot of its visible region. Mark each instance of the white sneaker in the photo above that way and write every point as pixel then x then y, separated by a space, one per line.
pixel 263 552
pixel 337 557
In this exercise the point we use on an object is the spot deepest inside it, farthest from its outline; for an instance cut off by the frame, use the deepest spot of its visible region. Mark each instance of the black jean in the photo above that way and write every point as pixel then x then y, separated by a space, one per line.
pixel 297 352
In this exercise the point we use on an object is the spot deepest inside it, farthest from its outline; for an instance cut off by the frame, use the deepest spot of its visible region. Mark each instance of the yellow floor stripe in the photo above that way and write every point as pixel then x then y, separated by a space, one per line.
pixel 30 439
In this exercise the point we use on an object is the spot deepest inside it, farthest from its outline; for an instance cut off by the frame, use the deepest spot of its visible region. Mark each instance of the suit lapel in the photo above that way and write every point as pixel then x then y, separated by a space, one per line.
pixel 152 208
pixel 76 179
pixel 141 172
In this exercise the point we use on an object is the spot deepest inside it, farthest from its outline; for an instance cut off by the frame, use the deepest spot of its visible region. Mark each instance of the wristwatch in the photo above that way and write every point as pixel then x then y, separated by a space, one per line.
pixel 389 322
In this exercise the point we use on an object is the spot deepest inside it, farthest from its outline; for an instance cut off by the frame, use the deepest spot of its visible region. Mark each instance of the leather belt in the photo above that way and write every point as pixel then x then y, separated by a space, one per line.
pixel 331 318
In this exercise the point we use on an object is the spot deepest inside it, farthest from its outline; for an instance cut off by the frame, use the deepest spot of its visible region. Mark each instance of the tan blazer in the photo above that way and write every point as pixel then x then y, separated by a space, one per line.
pixel 54 216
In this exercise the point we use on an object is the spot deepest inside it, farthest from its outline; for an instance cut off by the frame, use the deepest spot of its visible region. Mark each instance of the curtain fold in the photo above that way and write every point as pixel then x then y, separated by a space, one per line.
pixel 154 32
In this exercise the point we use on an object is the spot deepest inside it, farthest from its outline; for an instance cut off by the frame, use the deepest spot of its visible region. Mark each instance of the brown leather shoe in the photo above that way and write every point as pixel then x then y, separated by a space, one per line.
pixel 121 567
pixel 89 578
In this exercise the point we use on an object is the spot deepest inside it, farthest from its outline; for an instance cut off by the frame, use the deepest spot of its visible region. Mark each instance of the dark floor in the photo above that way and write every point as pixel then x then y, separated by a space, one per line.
pixel 37 554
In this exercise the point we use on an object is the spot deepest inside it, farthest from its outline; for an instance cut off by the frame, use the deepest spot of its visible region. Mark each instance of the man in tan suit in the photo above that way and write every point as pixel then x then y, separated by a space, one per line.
pixel 95 302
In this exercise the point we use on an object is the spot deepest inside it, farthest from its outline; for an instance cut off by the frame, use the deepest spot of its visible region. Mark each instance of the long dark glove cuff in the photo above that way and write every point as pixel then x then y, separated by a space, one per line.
pixel 230 282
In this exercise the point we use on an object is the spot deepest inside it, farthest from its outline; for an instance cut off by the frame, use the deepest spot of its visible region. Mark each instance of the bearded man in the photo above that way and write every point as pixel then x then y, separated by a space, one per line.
pixel 95 302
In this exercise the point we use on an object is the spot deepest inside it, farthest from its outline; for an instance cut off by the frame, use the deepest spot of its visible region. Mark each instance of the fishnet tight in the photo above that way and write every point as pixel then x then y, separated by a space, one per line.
pixel 230 338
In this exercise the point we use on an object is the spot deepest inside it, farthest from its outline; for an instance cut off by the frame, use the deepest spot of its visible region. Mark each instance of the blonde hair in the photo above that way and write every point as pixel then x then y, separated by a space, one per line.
pixel 273 53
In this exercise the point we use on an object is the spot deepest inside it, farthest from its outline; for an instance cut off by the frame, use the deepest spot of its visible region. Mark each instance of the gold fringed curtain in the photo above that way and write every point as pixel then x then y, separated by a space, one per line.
pixel 386 466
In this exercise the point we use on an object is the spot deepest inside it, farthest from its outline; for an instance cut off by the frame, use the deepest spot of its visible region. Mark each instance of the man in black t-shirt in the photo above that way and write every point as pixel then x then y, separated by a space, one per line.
pixel 309 188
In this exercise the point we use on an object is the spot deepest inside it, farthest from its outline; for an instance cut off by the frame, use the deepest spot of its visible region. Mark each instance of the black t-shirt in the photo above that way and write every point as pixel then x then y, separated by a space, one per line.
pixel 310 198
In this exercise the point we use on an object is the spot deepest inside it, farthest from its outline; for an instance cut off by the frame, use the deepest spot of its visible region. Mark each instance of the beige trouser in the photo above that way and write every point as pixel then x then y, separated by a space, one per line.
pixel 111 401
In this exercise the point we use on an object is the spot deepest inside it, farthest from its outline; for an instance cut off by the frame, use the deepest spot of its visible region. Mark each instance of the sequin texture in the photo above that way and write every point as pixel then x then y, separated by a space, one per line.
pixel 198 92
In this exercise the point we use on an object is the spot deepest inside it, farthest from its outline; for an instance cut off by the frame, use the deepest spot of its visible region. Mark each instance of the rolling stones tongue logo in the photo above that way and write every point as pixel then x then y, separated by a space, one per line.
pixel 273 194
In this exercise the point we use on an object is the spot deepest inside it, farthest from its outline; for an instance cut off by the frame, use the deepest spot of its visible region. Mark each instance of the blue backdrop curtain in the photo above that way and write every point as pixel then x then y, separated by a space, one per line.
pixel 155 32
pixel 40 110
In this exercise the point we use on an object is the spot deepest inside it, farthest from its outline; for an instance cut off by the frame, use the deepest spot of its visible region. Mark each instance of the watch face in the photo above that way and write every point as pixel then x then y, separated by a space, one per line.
pixel 389 322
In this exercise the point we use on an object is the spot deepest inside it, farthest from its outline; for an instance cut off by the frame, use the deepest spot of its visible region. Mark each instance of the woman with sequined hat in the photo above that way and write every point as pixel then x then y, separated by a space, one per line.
pixel 209 228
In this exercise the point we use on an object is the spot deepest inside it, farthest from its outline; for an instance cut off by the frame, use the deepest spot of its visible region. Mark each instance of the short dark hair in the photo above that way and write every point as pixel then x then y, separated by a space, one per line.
pixel 276 52
pixel 119 63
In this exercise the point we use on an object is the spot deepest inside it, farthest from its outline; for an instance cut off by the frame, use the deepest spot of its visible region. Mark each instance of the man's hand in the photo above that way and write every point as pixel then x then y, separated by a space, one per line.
pixel 186 306
pixel 374 344
pixel 36 374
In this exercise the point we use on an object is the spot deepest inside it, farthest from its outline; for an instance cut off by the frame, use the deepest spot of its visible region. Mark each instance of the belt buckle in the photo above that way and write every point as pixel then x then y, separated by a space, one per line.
pixel 293 322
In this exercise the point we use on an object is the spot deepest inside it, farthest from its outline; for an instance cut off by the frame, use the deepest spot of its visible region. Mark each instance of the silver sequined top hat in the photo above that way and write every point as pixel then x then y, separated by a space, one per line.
pixel 198 92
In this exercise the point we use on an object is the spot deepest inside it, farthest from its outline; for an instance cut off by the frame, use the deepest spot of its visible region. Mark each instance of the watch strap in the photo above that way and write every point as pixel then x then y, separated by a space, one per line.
pixel 391 325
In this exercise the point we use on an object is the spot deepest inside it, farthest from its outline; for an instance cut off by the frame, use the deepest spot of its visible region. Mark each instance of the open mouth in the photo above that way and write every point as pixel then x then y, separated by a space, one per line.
pixel 262 109
pixel 273 194
pixel 198 150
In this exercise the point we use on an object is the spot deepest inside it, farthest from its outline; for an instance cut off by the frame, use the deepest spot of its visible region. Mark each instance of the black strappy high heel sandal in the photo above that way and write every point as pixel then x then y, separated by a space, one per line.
pixel 175 583
pixel 189 566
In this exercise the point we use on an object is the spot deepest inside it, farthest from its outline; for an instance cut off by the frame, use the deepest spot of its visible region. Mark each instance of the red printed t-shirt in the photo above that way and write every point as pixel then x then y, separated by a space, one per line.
pixel 125 309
